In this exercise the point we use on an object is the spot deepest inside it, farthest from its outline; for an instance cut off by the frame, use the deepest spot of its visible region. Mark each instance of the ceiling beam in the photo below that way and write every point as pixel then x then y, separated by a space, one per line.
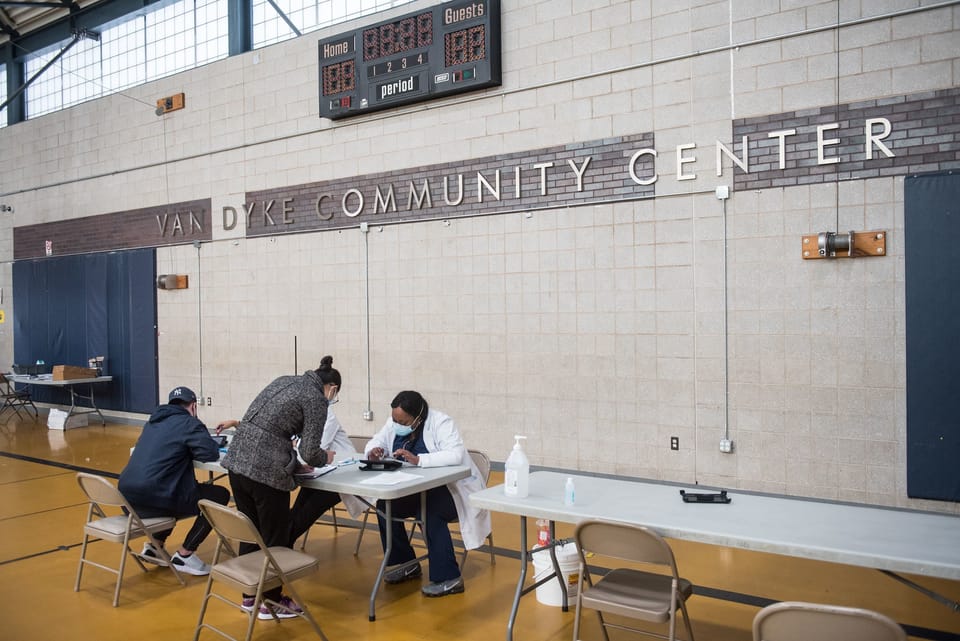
pixel 30 3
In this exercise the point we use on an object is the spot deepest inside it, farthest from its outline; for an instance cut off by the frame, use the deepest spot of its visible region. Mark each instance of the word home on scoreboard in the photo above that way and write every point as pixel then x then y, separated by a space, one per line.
pixel 440 51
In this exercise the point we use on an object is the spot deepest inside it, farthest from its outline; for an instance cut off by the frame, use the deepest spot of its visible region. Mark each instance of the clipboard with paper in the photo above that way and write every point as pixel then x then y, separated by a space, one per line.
pixel 306 472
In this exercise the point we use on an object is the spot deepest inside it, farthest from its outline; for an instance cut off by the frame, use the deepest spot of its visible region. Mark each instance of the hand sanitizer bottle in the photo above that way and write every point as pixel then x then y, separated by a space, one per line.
pixel 516 477
pixel 569 496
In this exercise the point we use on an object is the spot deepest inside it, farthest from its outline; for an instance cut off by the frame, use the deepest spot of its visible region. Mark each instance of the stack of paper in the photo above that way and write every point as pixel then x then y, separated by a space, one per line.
pixel 307 472
pixel 390 478
pixel 59 420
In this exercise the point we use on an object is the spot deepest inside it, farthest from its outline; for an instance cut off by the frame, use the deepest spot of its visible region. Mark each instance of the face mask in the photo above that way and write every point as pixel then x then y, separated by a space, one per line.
pixel 402 430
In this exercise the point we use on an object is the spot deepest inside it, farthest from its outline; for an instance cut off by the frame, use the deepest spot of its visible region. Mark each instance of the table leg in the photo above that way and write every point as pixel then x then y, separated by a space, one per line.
pixel 525 557
pixel 423 522
pixel 93 403
pixel 388 508
pixel 936 596
pixel 524 561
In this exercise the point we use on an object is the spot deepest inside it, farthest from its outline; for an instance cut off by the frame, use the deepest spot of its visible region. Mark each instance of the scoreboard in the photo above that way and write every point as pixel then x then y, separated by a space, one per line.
pixel 444 50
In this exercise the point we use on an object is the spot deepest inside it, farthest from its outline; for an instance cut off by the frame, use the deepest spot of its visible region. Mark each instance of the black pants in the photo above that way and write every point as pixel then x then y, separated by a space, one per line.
pixel 309 506
pixel 269 509
pixel 441 510
pixel 201 528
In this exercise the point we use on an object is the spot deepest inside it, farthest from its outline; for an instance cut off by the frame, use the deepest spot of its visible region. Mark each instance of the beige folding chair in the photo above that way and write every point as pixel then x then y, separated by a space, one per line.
pixel 797 621
pixel 14 398
pixel 628 592
pixel 482 461
pixel 121 528
pixel 252 573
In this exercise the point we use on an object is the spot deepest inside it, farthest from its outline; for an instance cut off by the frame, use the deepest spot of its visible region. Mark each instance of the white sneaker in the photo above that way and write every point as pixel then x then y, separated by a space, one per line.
pixel 150 555
pixel 191 564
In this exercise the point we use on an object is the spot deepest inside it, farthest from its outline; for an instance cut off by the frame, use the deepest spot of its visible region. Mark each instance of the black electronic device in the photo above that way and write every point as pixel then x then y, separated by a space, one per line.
pixel 712 497
pixel 32 370
pixel 443 50
pixel 384 465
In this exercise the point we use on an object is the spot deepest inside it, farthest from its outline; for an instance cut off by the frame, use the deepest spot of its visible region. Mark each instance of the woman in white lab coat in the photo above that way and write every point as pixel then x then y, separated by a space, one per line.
pixel 424 437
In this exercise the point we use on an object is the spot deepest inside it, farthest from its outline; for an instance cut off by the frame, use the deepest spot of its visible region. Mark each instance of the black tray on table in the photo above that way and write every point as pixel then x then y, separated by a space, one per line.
pixel 702 497
pixel 389 465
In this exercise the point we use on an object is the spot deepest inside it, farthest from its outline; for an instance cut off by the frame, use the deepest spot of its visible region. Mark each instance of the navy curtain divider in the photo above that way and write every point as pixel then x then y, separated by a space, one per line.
pixel 69 309
pixel 931 229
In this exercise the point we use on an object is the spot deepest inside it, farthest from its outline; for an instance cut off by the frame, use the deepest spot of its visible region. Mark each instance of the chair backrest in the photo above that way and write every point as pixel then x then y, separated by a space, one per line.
pixel 624 541
pixel 359 442
pixel 230 524
pixel 5 387
pixel 798 621
pixel 482 461
pixel 101 491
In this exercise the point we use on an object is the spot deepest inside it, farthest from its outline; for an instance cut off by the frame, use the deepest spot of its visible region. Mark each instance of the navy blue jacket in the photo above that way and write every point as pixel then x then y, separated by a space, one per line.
pixel 160 475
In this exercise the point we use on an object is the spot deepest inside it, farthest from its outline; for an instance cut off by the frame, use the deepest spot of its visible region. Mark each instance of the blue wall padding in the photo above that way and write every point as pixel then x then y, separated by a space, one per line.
pixel 932 227
pixel 72 308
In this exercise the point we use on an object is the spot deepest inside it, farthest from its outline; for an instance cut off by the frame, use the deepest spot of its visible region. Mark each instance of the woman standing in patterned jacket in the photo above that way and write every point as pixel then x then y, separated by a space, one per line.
pixel 261 459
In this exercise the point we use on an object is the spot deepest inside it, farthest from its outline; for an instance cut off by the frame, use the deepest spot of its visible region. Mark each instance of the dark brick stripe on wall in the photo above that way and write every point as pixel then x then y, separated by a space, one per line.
pixel 606 178
pixel 149 227
pixel 925 137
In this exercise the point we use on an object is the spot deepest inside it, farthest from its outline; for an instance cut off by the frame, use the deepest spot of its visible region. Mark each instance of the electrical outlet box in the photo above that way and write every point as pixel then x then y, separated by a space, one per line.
pixel 726 445
pixel 674 442
pixel 368 415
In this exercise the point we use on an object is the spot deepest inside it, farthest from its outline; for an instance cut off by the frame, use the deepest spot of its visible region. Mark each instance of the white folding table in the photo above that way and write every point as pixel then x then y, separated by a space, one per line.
pixel 887 539
pixel 349 479
pixel 70 385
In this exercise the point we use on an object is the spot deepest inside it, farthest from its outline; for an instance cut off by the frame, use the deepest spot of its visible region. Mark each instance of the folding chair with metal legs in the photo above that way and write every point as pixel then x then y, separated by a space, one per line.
pixel 482 461
pixel 252 573
pixel 627 592
pixel 121 528
pixel 799 621
pixel 14 398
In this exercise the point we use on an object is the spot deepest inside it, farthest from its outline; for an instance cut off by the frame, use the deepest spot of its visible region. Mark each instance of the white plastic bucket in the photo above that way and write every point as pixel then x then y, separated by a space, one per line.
pixel 569 561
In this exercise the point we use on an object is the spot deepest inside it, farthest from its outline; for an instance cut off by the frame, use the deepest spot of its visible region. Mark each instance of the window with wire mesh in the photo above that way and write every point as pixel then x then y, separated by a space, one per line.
pixel 271 26
pixel 130 52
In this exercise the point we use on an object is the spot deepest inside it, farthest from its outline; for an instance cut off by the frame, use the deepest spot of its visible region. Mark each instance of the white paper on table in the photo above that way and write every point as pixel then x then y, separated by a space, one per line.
pixel 389 478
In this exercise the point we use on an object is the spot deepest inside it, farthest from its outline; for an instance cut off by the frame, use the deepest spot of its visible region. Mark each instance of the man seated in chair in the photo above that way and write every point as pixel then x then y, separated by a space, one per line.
pixel 159 479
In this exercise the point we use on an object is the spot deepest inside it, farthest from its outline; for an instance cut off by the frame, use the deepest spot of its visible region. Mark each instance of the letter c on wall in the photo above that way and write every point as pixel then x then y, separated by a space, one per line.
pixel 633 167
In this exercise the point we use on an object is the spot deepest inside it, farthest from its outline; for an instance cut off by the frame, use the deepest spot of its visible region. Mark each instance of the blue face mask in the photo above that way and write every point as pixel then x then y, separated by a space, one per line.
pixel 402 430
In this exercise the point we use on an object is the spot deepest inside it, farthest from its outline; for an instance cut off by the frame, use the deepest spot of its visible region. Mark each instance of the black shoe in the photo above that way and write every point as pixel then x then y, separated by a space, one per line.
pixel 403 573
pixel 150 555
pixel 443 588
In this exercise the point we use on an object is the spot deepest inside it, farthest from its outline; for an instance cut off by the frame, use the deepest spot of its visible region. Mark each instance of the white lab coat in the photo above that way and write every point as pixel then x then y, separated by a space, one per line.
pixel 335 438
pixel 442 438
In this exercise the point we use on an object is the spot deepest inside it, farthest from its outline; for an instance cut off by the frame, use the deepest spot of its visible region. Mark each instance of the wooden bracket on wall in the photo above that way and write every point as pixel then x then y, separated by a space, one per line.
pixel 854 244
pixel 172 281
pixel 170 103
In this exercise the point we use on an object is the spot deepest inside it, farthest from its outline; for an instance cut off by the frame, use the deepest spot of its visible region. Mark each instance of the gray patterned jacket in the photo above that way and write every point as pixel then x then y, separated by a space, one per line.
pixel 262 449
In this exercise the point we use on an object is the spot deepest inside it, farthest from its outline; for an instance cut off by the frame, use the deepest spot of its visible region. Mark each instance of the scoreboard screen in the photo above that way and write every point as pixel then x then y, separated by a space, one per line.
pixel 440 51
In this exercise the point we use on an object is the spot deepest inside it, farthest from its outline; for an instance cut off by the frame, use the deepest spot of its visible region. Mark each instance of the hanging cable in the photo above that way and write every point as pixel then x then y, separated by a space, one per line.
pixel 368 415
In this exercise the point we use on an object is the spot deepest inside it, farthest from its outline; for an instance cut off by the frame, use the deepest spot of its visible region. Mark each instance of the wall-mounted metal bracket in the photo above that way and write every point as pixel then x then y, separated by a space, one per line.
pixel 173 281
pixel 853 244
pixel 170 103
